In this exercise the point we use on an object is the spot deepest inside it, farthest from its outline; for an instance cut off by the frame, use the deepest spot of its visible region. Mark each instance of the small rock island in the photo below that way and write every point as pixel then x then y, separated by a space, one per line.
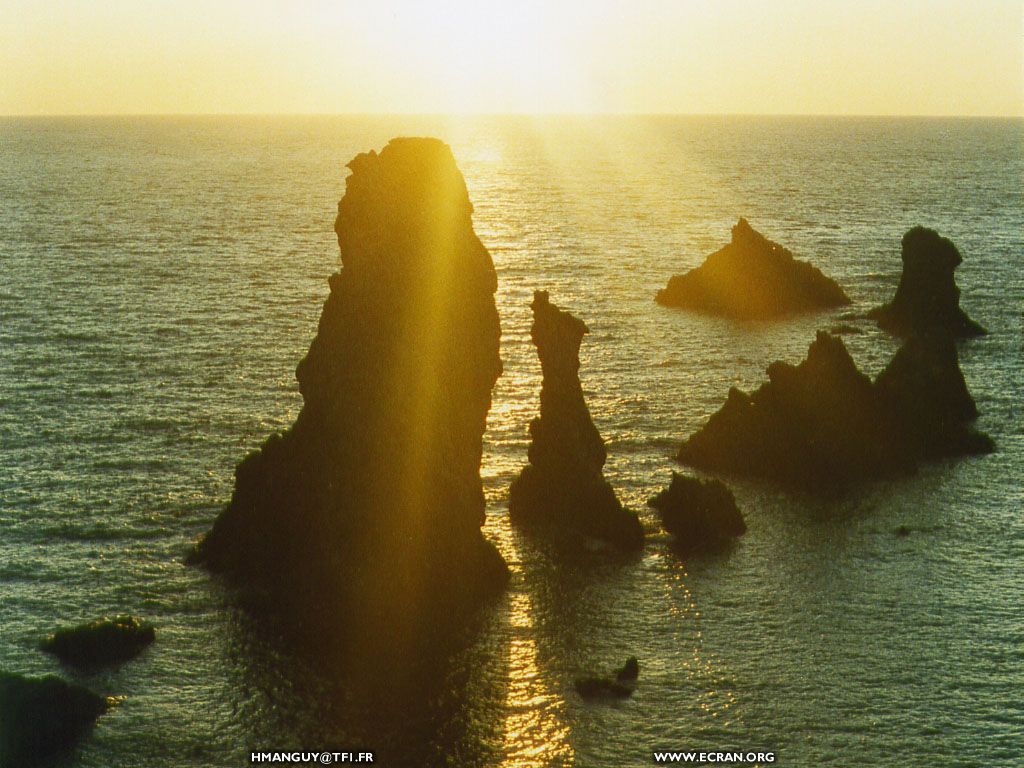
pixel 562 491
pixel 109 640
pixel 927 299
pixel 823 423
pixel 752 278
pixel 701 514
pixel 364 518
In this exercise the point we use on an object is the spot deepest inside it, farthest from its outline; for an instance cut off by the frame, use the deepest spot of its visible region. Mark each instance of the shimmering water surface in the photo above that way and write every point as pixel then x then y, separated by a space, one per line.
pixel 160 279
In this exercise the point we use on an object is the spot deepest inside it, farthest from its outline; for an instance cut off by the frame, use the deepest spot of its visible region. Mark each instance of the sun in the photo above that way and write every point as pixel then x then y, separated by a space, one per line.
pixel 488 56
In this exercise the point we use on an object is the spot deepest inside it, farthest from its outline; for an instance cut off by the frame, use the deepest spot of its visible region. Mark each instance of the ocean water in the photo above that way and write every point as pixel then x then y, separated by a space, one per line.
pixel 161 277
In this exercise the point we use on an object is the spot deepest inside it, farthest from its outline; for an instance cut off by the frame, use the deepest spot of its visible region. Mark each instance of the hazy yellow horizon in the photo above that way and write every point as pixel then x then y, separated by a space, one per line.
pixel 917 57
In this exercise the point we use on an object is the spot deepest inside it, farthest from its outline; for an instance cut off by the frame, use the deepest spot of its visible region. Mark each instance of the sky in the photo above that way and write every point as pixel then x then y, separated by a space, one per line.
pixel 868 57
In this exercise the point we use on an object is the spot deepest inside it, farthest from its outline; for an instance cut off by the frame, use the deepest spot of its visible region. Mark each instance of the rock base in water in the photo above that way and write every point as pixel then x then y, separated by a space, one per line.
pixel 562 491
pixel 752 278
pixel 823 423
pixel 105 641
pixel 701 514
pixel 927 300
pixel 40 717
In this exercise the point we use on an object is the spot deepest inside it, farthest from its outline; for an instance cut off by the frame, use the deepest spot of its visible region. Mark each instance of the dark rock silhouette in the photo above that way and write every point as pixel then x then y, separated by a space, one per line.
pixel 699 513
pixel 619 687
pixel 364 517
pixel 562 490
pixel 105 641
pixel 630 671
pixel 924 391
pixel 752 278
pixel 823 423
pixel 845 329
pixel 40 717
pixel 927 300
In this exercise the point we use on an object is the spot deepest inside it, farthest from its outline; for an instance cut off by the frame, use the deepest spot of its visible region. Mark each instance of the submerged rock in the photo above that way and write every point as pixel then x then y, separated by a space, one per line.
pixel 752 278
pixel 40 717
pixel 104 641
pixel 824 423
pixel 699 513
pixel 562 490
pixel 365 517
pixel 927 300
pixel 619 687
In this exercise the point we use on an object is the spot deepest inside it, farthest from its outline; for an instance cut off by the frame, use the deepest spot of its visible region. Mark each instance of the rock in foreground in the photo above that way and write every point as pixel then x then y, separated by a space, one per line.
pixel 823 423
pixel 752 278
pixel 699 513
pixel 927 300
pixel 40 717
pixel 105 641
pixel 562 490
pixel 364 518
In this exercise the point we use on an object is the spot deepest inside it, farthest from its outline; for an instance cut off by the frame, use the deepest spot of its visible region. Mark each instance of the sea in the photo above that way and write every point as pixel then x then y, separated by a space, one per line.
pixel 161 277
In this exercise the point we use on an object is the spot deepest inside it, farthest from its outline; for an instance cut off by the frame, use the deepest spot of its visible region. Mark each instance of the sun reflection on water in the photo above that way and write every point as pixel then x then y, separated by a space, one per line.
pixel 536 732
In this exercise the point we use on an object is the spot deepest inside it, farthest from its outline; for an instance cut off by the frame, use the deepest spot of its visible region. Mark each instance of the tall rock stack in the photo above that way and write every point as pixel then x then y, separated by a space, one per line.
pixel 369 509
pixel 927 300
pixel 562 491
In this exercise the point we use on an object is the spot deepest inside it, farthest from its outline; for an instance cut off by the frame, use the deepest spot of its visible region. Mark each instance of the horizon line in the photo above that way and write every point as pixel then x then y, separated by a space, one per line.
pixel 838 115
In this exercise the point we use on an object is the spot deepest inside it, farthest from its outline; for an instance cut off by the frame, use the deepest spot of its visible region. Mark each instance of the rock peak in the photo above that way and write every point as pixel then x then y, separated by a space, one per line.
pixel 752 278
pixel 823 423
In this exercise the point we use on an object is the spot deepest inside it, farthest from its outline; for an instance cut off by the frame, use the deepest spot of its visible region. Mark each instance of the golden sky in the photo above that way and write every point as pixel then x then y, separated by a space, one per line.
pixel 932 57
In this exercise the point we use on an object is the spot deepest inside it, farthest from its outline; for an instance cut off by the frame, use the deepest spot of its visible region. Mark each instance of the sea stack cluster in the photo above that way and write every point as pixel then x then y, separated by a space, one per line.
pixel 823 423
pixel 563 490
pixel 368 509
pixel 927 300
pixel 752 278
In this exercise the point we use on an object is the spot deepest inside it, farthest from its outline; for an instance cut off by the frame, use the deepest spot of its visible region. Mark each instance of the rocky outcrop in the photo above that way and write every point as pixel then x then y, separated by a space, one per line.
pixel 40 717
pixel 366 514
pixel 701 514
pixel 924 393
pixel 619 687
pixel 927 300
pixel 752 278
pixel 105 641
pixel 823 423
pixel 562 491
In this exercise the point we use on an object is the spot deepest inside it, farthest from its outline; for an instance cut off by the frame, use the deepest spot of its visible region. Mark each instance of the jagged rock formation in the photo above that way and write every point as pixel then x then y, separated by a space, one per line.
pixel 924 391
pixel 699 513
pixel 104 641
pixel 927 300
pixel 40 717
pixel 562 490
pixel 365 515
pixel 824 423
pixel 619 687
pixel 752 278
